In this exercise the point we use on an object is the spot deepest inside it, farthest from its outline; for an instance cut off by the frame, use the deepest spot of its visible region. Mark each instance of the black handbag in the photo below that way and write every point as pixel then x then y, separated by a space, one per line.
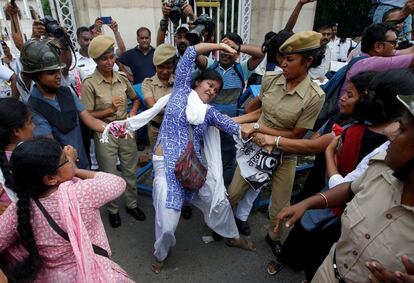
pixel 189 170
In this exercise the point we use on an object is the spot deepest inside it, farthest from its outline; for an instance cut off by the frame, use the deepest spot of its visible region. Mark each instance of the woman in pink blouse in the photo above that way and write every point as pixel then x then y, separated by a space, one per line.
pixel 15 126
pixel 56 218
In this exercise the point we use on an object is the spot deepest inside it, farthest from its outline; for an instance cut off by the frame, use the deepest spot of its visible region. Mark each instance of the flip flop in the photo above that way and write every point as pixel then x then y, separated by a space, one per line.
pixel 241 243
pixel 274 267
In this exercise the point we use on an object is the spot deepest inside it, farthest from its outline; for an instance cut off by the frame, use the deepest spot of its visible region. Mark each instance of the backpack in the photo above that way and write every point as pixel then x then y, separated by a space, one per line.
pixel 332 90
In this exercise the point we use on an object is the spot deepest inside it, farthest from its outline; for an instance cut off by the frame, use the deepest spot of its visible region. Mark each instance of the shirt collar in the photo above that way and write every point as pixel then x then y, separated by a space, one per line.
pixel 300 89
pixel 156 80
pixel 100 78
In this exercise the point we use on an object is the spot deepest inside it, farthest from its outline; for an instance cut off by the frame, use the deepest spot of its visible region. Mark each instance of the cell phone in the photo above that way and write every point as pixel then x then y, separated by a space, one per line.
pixel 106 20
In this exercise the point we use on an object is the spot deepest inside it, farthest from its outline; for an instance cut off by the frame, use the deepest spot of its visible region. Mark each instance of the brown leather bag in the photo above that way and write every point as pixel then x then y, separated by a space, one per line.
pixel 189 170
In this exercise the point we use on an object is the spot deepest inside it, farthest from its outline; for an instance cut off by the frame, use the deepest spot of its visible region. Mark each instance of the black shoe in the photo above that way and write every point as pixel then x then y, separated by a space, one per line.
pixel 114 220
pixel 186 211
pixel 243 227
pixel 216 236
pixel 136 213
pixel 141 147
pixel 276 246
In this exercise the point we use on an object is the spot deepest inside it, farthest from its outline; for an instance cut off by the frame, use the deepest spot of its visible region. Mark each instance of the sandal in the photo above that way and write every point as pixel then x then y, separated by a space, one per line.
pixel 274 267
pixel 241 243
pixel 156 266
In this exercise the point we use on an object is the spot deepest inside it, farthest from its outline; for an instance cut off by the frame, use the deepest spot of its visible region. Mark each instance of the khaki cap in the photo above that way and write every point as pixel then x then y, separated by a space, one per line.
pixel 301 42
pixel 99 45
pixel 163 53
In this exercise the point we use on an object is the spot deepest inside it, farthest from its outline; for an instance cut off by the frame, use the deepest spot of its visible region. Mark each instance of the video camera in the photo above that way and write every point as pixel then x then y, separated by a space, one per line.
pixel 52 27
pixel 176 9
pixel 203 24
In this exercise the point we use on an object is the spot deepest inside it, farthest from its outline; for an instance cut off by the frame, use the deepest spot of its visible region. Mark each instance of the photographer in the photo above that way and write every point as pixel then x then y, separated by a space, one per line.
pixel 179 37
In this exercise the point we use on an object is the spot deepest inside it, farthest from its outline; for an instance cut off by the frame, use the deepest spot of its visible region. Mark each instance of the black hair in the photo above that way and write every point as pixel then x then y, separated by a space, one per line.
pixel 316 54
pixel 361 80
pixel 272 45
pixel 31 161
pixel 372 34
pixel 13 115
pixel 208 74
pixel 324 27
pixel 233 37
pixel 379 104
pixel 142 29
pixel 269 35
pixel 387 14
pixel 82 29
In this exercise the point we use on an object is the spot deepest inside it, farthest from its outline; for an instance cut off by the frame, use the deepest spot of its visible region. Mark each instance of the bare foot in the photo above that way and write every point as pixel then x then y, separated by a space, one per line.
pixel 156 266
pixel 241 243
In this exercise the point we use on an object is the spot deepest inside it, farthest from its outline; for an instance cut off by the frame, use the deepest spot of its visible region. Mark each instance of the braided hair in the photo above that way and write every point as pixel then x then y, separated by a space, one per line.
pixel 13 115
pixel 30 163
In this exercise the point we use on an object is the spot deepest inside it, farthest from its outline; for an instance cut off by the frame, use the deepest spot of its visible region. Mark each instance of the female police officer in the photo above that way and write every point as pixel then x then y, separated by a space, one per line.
pixel 287 106
pixel 104 94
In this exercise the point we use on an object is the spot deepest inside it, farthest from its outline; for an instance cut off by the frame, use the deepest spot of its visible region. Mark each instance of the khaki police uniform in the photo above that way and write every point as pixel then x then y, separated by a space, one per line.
pixel 282 110
pixel 153 87
pixel 375 226
pixel 97 94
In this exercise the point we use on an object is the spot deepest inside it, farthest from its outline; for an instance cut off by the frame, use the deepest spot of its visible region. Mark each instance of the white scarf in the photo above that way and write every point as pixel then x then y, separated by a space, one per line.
pixel 195 111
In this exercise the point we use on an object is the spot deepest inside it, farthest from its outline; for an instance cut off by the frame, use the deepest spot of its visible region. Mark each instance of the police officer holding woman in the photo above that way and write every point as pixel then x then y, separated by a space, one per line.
pixel 104 94
pixel 287 106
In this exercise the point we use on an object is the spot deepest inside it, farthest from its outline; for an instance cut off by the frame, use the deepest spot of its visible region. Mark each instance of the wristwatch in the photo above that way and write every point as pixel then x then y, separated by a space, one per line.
pixel 256 126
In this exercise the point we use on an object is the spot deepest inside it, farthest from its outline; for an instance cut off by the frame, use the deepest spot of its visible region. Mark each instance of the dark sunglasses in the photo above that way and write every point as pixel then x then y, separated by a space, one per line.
pixel 393 42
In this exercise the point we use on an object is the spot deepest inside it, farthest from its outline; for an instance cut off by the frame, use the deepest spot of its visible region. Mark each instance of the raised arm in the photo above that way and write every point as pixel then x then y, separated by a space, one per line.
pixel 254 51
pixel 184 70
pixel 295 14
pixel 118 38
pixel 13 12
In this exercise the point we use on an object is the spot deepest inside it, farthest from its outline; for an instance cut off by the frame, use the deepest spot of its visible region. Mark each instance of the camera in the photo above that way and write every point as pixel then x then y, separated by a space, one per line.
pixel 176 9
pixel 52 27
pixel 204 24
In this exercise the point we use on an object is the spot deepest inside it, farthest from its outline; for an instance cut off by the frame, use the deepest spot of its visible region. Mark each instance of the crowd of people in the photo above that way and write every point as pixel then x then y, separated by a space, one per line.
pixel 349 103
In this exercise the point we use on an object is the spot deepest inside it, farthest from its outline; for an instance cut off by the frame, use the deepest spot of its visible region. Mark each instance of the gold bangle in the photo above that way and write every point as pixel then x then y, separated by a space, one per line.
pixel 324 197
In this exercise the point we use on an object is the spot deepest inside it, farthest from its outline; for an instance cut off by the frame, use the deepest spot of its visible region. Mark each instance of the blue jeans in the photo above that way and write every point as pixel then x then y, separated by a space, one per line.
pixel 382 9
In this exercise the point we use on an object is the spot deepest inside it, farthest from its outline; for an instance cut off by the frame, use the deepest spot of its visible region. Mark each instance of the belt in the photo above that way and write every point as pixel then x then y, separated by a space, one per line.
pixel 155 124
pixel 336 272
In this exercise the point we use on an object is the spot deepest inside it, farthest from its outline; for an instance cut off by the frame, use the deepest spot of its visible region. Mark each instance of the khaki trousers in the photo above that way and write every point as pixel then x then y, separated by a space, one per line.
pixel 126 151
pixel 153 135
pixel 282 183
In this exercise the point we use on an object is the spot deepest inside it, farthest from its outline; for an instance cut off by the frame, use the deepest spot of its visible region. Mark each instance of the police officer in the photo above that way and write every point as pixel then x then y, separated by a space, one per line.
pixel 159 85
pixel 104 94
pixel 378 222
pixel 290 103
pixel 56 109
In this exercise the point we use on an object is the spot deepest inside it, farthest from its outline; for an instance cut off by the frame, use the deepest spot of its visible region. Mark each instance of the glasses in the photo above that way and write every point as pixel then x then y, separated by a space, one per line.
pixel 63 163
pixel 393 42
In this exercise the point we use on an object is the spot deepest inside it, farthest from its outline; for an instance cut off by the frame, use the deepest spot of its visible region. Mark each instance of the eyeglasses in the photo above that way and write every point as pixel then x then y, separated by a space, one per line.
pixel 393 42
pixel 63 163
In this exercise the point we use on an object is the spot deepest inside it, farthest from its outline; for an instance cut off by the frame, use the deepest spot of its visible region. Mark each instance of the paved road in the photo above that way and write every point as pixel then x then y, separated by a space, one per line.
pixel 191 260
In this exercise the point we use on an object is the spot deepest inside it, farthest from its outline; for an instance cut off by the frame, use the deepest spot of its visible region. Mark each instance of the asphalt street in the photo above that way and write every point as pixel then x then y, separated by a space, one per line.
pixel 191 259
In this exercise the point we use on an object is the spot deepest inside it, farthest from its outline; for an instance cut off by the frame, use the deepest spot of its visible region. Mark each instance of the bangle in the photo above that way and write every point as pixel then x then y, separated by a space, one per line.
pixel 324 197
pixel 238 48
pixel 277 139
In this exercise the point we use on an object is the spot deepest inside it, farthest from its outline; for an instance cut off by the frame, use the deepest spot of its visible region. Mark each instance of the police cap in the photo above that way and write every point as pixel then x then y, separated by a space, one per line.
pixel 163 53
pixel 99 45
pixel 301 42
